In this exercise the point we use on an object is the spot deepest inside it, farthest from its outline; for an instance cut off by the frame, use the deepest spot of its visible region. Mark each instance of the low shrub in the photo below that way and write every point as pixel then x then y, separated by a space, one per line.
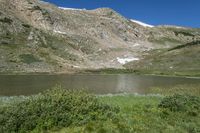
pixel 28 58
pixel 26 25
pixel 184 103
pixel 54 109
pixel 6 20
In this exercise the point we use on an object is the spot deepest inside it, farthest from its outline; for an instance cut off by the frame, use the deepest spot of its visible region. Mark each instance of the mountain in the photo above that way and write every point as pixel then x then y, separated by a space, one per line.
pixel 37 36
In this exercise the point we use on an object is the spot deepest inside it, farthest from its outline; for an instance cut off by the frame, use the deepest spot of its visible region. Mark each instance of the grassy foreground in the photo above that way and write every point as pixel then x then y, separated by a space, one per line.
pixel 142 114
pixel 65 111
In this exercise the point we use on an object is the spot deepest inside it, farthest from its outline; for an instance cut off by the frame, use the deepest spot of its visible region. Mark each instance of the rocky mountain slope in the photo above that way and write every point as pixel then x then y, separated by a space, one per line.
pixel 36 36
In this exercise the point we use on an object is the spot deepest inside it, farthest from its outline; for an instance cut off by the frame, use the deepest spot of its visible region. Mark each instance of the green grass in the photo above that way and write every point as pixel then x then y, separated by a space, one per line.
pixel 52 110
pixel 141 114
pixel 184 89
pixel 110 71
pixel 28 58
pixel 64 111
pixel 186 45
pixel 178 62
pixel 145 71
pixel 164 40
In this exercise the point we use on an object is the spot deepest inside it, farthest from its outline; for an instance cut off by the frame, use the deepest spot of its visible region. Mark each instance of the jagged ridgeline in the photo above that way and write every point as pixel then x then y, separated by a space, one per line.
pixel 36 36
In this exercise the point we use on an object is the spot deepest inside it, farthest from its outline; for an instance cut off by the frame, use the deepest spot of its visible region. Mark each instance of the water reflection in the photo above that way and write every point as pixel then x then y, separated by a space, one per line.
pixel 99 84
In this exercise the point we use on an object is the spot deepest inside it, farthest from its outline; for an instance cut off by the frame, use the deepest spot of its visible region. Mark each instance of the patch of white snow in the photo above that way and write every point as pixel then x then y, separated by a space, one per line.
pixel 60 32
pixel 75 9
pixel 100 49
pixel 126 60
pixel 136 44
pixel 172 26
pixel 141 23
pixel 76 66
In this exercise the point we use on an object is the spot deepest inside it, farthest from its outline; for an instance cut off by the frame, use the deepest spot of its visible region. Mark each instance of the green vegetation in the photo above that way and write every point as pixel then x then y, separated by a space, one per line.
pixel 183 103
pixel 26 25
pixel 36 7
pixel 6 20
pixel 186 45
pixel 138 71
pixel 144 114
pixel 185 33
pixel 28 58
pixel 184 89
pixel 52 110
pixel 164 40
pixel 110 71
pixel 59 110
pixel 183 60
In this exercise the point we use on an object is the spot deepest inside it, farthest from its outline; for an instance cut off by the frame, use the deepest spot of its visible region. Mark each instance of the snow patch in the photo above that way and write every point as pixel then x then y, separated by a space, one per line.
pixel 60 32
pixel 126 60
pixel 99 49
pixel 179 27
pixel 141 23
pixel 76 66
pixel 74 9
pixel 136 44
pixel 172 26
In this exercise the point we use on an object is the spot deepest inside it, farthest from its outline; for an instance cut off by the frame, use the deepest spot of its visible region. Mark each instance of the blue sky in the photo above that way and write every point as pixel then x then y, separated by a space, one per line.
pixel 155 12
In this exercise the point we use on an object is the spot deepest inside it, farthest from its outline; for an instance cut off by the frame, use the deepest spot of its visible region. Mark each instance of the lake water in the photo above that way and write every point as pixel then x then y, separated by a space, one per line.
pixel 13 85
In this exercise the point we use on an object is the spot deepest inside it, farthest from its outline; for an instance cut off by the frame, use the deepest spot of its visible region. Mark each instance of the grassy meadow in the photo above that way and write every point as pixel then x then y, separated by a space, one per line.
pixel 65 111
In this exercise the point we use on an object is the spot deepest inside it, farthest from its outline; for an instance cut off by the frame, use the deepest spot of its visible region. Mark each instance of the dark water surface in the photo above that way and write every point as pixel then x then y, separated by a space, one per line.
pixel 12 85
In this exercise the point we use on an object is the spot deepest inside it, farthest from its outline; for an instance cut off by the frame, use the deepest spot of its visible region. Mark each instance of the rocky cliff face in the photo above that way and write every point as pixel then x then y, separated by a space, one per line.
pixel 36 36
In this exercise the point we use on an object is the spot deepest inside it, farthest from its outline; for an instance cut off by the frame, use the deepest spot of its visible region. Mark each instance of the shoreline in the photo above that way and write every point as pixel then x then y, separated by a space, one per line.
pixel 100 72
